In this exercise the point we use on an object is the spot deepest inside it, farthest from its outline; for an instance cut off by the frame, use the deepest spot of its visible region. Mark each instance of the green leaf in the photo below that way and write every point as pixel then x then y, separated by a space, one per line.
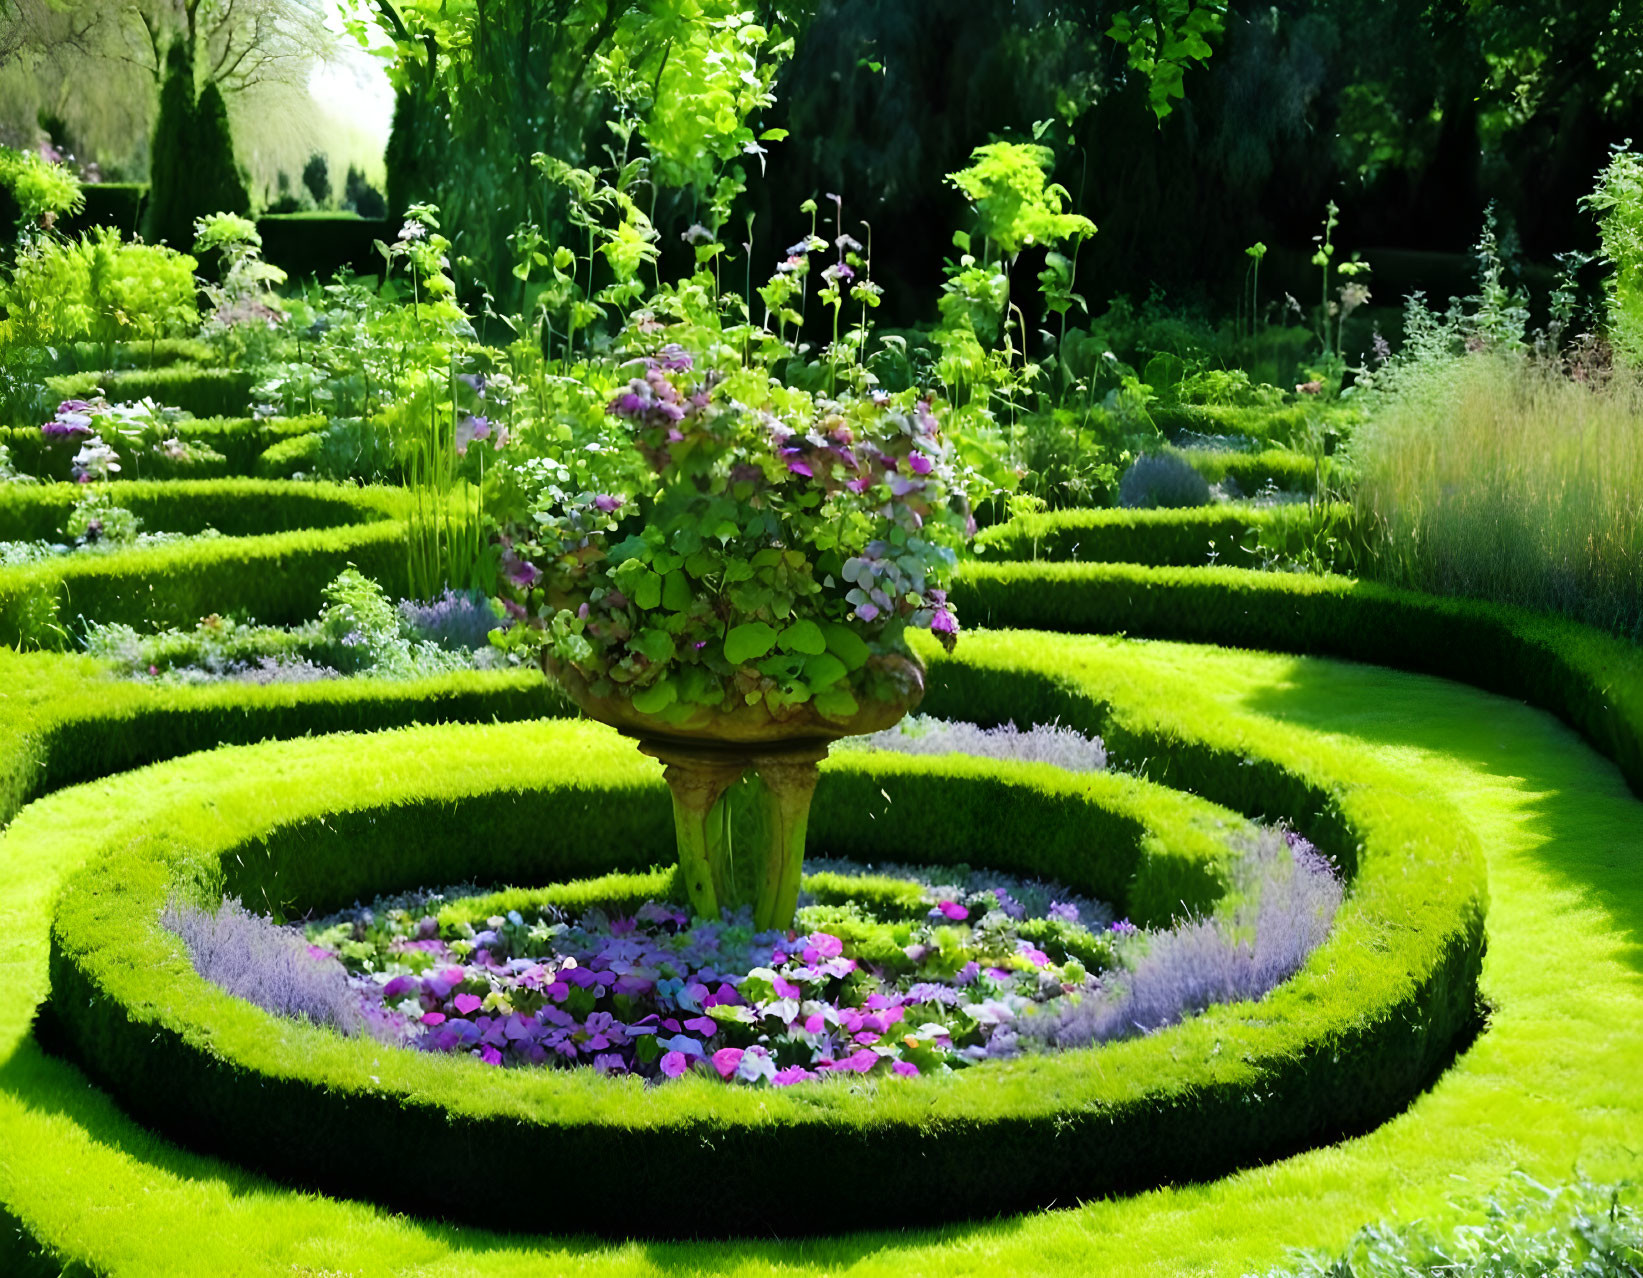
pixel 654 645
pixel 748 642
pixel 647 594
pixel 805 637
pixel 845 644
pixel 835 703
pixel 656 698
pixel 823 671
pixel 634 547
pixel 676 592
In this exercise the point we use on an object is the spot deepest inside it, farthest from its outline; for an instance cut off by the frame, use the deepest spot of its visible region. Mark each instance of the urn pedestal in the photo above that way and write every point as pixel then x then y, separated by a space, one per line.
pixel 705 753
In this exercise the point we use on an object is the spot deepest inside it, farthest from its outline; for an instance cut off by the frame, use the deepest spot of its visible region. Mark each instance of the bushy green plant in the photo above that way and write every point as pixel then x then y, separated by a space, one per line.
pixel 1577 1230
pixel 1618 200
pixel 98 518
pixel 42 191
pixel 245 310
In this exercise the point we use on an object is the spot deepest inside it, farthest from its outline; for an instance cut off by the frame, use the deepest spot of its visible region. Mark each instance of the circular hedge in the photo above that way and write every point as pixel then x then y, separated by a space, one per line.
pixel 1348 1042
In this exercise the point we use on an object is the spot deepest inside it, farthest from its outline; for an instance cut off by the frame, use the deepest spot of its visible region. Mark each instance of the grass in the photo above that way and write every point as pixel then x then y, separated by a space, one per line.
pixel 1492 477
pixel 1547 1088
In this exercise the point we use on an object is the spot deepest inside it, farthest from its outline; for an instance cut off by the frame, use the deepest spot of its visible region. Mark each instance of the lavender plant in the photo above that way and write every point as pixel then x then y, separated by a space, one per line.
pixel 1055 744
pixel 257 960
pixel 1290 894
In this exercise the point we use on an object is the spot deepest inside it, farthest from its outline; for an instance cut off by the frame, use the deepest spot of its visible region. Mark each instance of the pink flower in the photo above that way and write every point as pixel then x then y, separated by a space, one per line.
pixel 822 945
pixel 726 1059
pixel 468 1003
pixel 953 910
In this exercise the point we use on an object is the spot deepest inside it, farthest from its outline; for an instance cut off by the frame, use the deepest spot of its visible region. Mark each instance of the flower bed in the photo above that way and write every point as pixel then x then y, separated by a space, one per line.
pixel 911 976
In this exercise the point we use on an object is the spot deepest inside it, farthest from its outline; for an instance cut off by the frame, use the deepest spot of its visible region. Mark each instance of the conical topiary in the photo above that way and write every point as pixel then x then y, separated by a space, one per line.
pixel 191 168
pixel 219 186
pixel 169 213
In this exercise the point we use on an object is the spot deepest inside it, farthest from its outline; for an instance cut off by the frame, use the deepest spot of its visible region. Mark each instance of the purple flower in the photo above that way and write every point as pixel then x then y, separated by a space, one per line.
pixel 608 503
pixel 470 428
pixel 674 358
pixel 674 1064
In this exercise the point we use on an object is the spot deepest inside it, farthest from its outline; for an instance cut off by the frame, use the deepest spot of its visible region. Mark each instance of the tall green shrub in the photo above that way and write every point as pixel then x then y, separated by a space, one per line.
pixel 191 167
pixel 219 186
pixel 169 216
pixel 1618 201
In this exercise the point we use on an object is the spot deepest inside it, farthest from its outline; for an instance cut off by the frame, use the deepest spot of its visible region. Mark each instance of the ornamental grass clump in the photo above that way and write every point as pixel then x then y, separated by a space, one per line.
pixel 1492 475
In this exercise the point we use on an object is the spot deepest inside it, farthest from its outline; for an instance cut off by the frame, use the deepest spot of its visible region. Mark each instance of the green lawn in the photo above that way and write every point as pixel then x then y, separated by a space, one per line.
pixel 1549 1087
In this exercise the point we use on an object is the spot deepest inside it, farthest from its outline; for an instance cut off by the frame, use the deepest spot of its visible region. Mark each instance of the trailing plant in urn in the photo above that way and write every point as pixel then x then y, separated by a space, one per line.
pixel 726 566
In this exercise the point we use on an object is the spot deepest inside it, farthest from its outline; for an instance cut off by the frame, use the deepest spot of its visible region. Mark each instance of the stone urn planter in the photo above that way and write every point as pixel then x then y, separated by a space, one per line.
pixel 706 753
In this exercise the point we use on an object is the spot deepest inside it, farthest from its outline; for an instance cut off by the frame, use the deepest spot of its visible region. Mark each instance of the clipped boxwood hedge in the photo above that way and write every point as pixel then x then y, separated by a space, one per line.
pixel 1591 680
pixel 239 441
pixel 275 579
pixel 205 392
pixel 318 245
pixel 1367 1023
pixel 298 455
pixel 1284 470
pixel 1195 536
pixel 63 721
pixel 1287 425
pixel 234 507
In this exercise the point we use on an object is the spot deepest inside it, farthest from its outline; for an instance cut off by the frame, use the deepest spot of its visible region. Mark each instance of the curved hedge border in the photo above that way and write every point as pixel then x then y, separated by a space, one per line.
pixel 1591 680
pixel 241 441
pixel 1160 538
pixel 1236 1084
pixel 276 579
pixel 1285 470
pixel 64 720
pixel 234 507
